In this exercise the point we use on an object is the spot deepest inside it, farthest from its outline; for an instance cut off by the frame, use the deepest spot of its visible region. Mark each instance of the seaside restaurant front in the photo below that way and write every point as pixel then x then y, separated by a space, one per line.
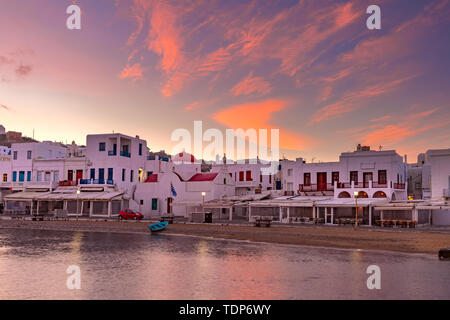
pixel 77 204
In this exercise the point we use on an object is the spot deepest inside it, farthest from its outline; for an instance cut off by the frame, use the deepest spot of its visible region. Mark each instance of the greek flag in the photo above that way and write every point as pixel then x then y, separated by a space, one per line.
pixel 174 193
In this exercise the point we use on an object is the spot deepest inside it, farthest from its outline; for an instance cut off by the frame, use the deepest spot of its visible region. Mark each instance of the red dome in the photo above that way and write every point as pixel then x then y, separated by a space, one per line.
pixel 184 157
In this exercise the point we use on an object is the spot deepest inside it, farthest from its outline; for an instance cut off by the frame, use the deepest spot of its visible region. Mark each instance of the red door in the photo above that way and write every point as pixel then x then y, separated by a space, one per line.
pixel 70 175
pixel 321 181
pixel 79 175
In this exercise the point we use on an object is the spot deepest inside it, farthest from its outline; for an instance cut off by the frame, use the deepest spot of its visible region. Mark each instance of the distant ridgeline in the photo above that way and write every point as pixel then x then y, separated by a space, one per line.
pixel 4 141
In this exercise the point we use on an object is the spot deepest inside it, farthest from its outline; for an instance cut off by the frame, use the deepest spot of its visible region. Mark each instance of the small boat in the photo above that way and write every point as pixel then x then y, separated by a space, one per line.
pixel 160 226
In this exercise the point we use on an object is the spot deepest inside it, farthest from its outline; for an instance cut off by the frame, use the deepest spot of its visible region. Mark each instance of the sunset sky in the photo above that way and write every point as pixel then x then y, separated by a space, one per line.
pixel 308 67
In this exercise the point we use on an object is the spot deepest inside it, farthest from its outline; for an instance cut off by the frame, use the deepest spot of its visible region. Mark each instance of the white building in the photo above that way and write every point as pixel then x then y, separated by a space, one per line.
pixel 438 174
pixel 373 174
pixel 168 193
pixel 24 155
pixel 247 175
pixel 115 159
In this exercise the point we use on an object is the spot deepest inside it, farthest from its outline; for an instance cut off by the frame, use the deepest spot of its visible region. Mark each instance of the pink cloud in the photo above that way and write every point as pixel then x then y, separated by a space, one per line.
pixel 133 72
pixel 250 85
pixel 259 115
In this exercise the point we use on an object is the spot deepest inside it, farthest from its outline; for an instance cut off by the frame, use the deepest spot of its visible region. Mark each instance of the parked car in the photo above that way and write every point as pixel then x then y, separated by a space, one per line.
pixel 127 214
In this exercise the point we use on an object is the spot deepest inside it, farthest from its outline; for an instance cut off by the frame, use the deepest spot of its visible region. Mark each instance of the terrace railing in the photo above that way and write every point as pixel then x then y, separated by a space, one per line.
pixel 112 153
pixel 125 154
pixel 400 186
pixel 96 181
pixel 67 183
pixel 316 187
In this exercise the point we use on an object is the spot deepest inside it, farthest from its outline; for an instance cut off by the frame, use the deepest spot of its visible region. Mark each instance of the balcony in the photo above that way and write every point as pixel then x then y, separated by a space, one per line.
pixel 125 154
pixel 316 187
pixel 67 183
pixel 96 181
pixel 369 184
pixel 399 186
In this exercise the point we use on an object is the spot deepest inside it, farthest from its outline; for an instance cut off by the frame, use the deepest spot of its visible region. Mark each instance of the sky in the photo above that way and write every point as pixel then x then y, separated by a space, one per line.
pixel 310 68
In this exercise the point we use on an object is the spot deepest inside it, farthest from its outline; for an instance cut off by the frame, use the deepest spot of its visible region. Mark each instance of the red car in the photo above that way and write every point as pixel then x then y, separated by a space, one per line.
pixel 130 214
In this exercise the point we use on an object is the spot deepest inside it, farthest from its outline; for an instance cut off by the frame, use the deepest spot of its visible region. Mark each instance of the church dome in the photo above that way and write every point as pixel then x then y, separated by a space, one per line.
pixel 183 157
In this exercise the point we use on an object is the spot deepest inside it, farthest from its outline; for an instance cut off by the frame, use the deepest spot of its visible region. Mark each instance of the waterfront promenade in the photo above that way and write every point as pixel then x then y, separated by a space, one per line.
pixel 426 240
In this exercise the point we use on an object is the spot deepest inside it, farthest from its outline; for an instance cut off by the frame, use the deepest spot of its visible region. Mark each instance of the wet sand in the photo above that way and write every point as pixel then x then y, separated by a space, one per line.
pixel 400 240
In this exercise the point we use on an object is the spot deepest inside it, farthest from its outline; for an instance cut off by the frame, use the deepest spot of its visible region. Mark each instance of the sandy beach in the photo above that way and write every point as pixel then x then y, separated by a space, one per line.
pixel 400 240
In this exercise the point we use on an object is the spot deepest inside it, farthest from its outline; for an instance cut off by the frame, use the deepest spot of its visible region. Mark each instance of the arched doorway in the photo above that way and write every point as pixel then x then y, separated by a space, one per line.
pixel 362 194
pixel 379 194
pixel 344 194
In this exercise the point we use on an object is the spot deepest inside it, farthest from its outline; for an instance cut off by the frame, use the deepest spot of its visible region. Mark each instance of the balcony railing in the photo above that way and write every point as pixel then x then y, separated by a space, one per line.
pixel 375 185
pixel 96 181
pixel 399 186
pixel 67 183
pixel 125 154
pixel 112 153
pixel 316 187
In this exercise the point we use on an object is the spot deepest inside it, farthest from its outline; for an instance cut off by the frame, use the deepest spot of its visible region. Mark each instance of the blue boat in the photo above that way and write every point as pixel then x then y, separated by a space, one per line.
pixel 160 226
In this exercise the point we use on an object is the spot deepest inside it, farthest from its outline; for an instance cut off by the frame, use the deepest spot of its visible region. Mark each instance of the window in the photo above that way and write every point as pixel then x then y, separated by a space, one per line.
pixel 14 176
pixel 307 179
pixel 5 177
pixel 101 175
pixel 47 176
pixel 290 172
pixel 110 173
pixel 382 176
pixel 154 204
pixel 93 174
pixel 140 149
pixel 354 176
pixel 248 175
pixel 28 175
pixel 39 176
pixel 131 175
pixel 21 176
pixel 224 181
pixel 270 178
pixel 141 202
pixel 123 174
pixel 15 155
pixel 29 154
pixel 335 177
pixel 101 146
pixel 241 175
pixel 56 176
pixel 260 177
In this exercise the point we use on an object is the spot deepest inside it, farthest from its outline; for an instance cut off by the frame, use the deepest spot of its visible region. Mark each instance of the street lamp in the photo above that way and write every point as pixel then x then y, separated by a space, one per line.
pixel 203 204
pixel 356 199
pixel 78 201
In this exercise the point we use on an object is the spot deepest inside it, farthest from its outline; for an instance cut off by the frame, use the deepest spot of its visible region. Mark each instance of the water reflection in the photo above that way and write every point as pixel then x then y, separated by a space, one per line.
pixel 128 266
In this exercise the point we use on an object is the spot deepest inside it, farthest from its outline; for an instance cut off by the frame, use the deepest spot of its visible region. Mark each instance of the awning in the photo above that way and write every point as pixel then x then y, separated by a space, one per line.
pixel 24 196
pixel 60 196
